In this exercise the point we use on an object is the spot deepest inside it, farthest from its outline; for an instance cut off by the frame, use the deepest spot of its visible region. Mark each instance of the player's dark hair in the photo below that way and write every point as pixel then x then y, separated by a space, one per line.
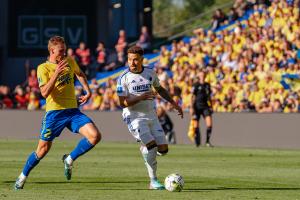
pixel 136 50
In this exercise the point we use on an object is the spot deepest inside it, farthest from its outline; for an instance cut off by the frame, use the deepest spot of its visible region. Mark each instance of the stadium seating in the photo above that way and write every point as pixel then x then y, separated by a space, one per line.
pixel 252 64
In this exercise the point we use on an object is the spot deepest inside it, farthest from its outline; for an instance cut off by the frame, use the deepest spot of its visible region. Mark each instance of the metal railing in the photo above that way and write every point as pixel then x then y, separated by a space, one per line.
pixel 189 21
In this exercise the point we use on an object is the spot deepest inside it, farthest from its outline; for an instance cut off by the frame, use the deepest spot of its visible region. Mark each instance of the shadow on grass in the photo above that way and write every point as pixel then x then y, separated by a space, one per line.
pixel 87 182
pixel 131 182
pixel 76 182
pixel 238 188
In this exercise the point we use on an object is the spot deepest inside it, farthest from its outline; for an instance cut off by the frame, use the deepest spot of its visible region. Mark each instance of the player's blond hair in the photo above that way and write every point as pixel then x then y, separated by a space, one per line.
pixel 55 40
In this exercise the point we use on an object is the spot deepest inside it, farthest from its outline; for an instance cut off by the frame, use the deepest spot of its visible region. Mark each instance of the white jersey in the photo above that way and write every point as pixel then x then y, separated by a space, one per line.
pixel 135 84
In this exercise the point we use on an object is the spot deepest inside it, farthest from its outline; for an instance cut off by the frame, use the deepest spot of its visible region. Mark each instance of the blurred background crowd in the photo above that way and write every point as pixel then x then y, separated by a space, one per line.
pixel 252 65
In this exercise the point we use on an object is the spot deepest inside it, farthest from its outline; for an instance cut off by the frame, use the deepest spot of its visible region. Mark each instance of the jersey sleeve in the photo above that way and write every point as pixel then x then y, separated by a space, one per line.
pixel 122 89
pixel 156 83
pixel 74 65
pixel 43 75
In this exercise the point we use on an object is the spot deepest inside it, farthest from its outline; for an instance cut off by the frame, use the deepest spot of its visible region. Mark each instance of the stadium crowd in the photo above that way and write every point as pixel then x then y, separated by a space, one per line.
pixel 248 66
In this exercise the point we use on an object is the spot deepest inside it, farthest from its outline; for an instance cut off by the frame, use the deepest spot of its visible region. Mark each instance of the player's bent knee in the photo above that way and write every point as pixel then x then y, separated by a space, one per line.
pixel 95 138
pixel 94 135
pixel 98 137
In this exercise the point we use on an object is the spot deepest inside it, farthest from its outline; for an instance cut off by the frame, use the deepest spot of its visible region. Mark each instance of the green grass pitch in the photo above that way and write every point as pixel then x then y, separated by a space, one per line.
pixel 116 171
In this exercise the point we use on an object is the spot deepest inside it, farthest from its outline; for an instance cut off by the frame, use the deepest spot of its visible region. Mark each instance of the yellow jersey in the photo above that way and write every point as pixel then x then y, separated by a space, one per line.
pixel 63 94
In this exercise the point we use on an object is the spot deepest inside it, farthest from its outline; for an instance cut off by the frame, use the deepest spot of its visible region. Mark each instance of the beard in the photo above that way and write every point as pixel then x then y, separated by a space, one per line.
pixel 134 68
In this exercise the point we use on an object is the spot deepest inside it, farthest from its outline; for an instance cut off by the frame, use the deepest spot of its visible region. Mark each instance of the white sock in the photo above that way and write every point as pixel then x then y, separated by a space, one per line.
pixel 22 176
pixel 69 160
pixel 150 161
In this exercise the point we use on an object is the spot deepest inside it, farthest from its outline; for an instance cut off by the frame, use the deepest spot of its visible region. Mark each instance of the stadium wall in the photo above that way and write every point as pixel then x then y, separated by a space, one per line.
pixel 230 129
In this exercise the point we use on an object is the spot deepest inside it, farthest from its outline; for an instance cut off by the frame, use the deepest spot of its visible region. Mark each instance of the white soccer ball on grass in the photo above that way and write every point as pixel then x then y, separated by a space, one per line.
pixel 174 183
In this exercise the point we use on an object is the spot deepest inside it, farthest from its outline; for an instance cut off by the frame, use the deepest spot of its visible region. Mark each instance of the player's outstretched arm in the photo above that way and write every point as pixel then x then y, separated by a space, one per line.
pixel 48 87
pixel 130 101
pixel 83 80
pixel 166 95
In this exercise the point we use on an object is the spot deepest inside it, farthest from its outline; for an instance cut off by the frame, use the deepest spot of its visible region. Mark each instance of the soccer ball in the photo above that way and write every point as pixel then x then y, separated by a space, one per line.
pixel 174 183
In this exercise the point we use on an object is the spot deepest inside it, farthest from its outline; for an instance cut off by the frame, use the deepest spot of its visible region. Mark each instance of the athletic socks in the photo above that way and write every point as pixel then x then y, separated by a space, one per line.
pixel 22 176
pixel 150 161
pixel 197 137
pixel 208 134
pixel 31 162
pixel 69 160
pixel 83 146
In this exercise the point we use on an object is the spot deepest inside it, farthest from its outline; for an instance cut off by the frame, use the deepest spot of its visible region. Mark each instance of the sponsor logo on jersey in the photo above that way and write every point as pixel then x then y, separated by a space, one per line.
pixel 64 79
pixel 141 88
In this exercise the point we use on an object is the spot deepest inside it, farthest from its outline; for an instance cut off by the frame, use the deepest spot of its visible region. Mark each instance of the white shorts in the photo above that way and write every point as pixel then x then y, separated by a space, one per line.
pixel 147 130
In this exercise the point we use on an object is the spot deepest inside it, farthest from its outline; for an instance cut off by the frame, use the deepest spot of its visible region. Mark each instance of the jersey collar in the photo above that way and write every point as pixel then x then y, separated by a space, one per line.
pixel 51 62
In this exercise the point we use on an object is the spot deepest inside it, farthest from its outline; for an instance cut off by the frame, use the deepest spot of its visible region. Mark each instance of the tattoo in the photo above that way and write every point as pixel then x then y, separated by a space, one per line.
pixel 164 94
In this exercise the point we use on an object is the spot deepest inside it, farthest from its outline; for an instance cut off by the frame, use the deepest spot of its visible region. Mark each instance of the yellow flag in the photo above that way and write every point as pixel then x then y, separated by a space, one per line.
pixel 191 133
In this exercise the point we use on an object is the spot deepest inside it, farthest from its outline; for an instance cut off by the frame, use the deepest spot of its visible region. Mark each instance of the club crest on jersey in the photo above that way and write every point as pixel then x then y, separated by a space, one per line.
pixel 40 80
pixel 119 89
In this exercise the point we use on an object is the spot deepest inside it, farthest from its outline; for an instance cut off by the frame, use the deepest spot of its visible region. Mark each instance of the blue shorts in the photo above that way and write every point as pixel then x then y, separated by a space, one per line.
pixel 55 121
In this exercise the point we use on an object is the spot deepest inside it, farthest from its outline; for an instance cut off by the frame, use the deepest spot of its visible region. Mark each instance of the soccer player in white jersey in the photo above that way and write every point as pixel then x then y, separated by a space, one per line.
pixel 135 93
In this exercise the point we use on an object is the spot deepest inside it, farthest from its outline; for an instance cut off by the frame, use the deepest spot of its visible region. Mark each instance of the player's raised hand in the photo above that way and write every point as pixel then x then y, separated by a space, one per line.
pixel 84 98
pixel 61 66
pixel 179 109
pixel 147 96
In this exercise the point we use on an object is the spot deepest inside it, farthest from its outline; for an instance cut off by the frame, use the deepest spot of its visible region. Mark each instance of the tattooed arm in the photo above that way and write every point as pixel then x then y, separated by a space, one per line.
pixel 166 95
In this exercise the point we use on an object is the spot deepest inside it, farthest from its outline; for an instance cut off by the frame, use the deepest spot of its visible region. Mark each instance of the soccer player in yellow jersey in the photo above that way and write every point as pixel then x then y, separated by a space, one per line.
pixel 56 82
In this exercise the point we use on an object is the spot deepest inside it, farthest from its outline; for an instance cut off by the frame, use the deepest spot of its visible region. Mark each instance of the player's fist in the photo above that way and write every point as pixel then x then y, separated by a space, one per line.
pixel 61 66
pixel 147 96
pixel 84 98
pixel 179 109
